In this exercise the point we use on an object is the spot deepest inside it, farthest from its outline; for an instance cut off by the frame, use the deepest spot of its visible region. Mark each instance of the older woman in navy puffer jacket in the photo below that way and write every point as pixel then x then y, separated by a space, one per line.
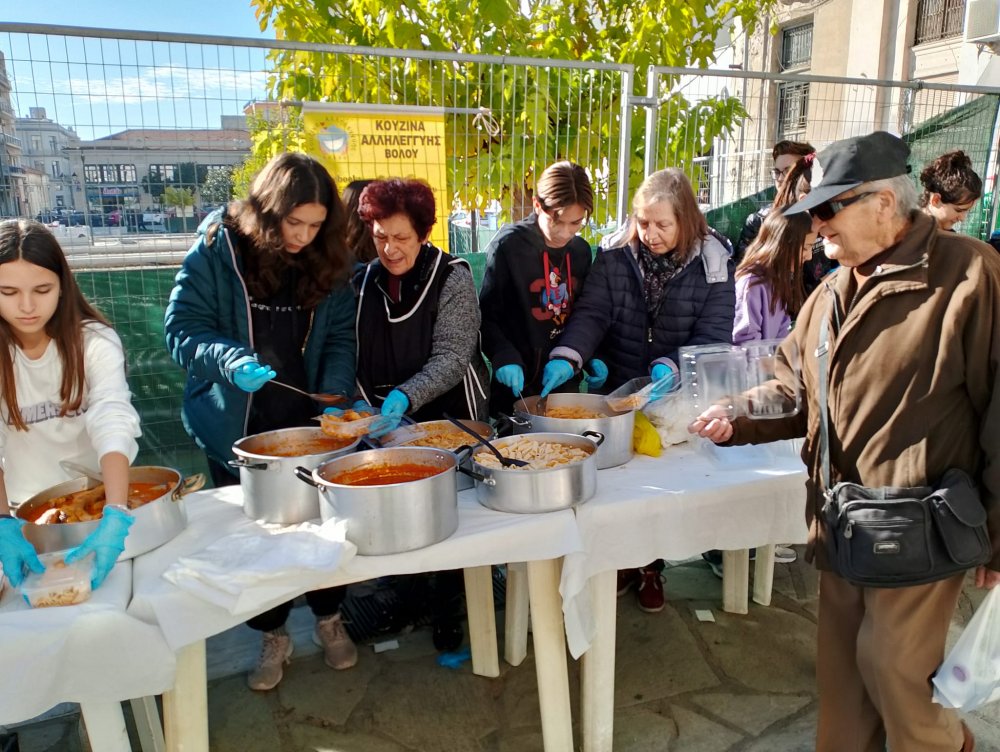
pixel 669 286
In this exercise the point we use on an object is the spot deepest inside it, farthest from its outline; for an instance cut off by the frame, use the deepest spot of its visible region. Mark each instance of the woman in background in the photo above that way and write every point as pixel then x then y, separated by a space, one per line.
pixel 359 235
pixel 951 188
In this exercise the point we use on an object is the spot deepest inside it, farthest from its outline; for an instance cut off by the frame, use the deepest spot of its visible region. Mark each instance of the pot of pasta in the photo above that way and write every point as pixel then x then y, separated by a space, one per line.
pixel 576 413
pixel 267 463
pixel 62 516
pixel 440 434
pixel 560 472
pixel 393 500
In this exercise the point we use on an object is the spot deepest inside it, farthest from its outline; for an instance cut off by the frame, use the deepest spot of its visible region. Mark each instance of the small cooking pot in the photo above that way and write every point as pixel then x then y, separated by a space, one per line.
pixel 549 489
pixel 432 426
pixel 395 517
pixel 156 522
pixel 615 426
pixel 267 463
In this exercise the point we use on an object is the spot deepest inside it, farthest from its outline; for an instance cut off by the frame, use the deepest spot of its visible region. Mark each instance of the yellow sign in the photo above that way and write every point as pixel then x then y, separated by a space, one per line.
pixel 356 145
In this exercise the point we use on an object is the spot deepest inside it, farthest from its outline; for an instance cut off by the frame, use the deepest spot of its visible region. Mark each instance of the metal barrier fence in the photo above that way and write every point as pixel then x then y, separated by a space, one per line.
pixel 736 165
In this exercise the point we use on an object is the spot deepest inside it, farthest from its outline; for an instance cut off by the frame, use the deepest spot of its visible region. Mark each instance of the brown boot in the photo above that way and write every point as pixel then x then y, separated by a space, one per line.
pixel 968 740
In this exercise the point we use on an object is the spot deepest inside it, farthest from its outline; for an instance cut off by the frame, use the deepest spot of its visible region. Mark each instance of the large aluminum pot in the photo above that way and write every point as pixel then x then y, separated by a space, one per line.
pixel 267 463
pixel 550 489
pixel 392 518
pixel 156 522
pixel 615 426
pixel 436 427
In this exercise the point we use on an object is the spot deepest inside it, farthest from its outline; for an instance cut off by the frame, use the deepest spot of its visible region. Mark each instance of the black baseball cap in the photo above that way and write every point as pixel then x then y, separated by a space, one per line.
pixel 849 163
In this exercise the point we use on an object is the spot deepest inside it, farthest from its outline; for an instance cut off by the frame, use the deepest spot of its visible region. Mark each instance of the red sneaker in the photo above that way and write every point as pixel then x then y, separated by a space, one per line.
pixel 650 591
pixel 627 579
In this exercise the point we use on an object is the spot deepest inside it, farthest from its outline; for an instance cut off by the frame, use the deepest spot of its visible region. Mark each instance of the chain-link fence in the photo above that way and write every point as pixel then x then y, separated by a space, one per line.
pixel 733 174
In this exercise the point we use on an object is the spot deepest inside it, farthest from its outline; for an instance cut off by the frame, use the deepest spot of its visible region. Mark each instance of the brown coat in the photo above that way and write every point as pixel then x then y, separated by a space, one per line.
pixel 913 372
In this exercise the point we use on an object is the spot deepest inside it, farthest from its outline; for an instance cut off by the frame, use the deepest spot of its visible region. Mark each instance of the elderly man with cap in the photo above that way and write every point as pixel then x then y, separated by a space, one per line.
pixel 912 321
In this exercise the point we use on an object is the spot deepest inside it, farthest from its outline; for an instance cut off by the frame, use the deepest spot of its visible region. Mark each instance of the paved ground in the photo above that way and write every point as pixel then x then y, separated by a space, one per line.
pixel 741 684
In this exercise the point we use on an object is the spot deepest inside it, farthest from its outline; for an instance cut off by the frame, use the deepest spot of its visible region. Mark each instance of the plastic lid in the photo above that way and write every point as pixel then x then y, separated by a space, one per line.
pixel 61 584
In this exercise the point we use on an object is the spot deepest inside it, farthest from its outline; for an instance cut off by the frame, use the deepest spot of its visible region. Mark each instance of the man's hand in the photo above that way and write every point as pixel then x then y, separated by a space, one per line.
pixel 713 424
pixel 987 578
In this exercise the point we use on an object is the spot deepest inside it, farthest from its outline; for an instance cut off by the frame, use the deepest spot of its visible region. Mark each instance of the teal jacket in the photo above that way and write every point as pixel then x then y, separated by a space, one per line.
pixel 208 332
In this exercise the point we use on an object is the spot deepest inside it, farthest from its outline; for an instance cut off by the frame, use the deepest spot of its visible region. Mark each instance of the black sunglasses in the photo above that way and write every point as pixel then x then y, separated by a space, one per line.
pixel 829 209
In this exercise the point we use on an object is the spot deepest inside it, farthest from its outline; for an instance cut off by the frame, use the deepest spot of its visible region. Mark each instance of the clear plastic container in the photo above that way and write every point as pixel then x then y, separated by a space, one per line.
pixel 61 584
pixel 714 375
pixel 766 402
pixel 636 393
pixel 334 425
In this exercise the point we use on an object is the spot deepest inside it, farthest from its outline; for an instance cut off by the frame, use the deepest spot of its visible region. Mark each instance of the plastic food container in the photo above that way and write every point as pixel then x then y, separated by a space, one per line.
pixel 347 429
pixel 635 394
pixel 61 584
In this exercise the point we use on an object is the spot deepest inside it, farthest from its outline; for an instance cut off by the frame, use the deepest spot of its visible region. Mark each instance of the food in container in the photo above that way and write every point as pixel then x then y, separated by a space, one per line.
pixel 636 393
pixel 384 475
pixel 349 424
pixel 538 454
pixel 301 446
pixel 573 412
pixel 88 505
pixel 440 434
pixel 61 584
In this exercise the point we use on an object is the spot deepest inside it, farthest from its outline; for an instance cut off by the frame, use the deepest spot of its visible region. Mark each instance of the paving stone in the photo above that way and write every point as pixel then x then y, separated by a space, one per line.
pixel 695 733
pixel 513 740
pixel 640 729
pixel 313 690
pixel 242 720
pixel 307 737
pixel 752 713
pixel 799 735
pixel 656 656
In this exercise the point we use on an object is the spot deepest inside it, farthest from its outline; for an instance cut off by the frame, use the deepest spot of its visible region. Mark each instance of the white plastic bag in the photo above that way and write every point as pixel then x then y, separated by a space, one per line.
pixel 970 675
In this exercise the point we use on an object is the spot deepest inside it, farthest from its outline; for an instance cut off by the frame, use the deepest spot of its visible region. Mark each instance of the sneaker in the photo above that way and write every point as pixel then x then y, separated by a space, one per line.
pixel 447 634
pixel 714 560
pixel 275 651
pixel 650 591
pixel 339 651
pixel 627 578
pixel 784 555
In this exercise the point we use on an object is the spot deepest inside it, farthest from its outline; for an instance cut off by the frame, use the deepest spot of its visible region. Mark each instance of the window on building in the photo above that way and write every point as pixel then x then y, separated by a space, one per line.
pixel 939 19
pixel 39 165
pixel 163 171
pixel 56 169
pixel 92 173
pixel 53 144
pixel 36 143
pixel 109 173
pixel 793 109
pixel 126 173
pixel 796 46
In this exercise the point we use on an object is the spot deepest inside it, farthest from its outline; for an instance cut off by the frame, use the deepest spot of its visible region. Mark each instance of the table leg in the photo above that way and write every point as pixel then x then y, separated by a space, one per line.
pixel 185 707
pixel 735 581
pixel 598 669
pixel 105 726
pixel 482 620
pixel 549 638
pixel 147 724
pixel 763 575
pixel 515 634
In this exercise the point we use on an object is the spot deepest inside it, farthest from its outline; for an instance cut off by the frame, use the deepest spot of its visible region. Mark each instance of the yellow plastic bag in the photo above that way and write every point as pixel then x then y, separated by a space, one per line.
pixel 645 439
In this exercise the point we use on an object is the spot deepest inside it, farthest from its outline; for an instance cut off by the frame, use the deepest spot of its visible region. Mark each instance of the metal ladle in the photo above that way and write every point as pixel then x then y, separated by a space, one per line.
pixel 505 461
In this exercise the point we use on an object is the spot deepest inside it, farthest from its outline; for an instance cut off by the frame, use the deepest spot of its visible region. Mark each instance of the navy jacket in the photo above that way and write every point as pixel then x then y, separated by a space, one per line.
pixel 611 321
pixel 207 325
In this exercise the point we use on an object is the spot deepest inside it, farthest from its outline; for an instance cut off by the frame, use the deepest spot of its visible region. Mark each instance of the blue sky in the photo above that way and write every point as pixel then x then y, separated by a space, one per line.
pixel 225 17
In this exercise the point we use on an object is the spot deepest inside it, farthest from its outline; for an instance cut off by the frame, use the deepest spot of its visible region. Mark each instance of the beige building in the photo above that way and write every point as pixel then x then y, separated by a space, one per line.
pixel 12 177
pixel 46 160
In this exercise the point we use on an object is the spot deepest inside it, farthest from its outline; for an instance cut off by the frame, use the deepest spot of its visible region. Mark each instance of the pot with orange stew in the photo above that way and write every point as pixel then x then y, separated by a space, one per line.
pixel 267 463
pixel 393 500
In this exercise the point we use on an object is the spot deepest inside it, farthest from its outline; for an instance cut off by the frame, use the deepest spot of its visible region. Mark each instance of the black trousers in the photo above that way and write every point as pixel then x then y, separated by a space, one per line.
pixel 325 602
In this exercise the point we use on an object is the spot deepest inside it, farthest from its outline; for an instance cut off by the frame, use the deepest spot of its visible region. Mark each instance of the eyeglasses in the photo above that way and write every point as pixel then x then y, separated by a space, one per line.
pixel 829 209
pixel 779 174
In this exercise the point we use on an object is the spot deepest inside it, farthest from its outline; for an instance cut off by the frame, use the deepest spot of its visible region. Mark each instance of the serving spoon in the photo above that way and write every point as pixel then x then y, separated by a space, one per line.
pixel 505 461
pixel 323 399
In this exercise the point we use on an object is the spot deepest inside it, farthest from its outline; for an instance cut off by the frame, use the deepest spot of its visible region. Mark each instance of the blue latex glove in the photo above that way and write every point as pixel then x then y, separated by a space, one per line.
pixel 251 376
pixel 668 374
pixel 456 659
pixel 395 404
pixel 16 554
pixel 105 543
pixel 595 374
pixel 358 406
pixel 512 377
pixel 557 372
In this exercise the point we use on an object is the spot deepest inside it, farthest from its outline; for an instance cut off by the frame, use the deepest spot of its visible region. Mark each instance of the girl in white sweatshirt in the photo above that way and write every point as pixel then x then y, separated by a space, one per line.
pixel 63 394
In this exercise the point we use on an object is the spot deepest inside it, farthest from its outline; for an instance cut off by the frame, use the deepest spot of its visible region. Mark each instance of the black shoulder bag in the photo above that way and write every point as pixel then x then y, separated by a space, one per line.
pixel 896 537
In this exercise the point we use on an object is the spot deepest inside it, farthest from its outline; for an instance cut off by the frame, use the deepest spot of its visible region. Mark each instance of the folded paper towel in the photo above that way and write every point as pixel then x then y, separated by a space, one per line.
pixel 245 570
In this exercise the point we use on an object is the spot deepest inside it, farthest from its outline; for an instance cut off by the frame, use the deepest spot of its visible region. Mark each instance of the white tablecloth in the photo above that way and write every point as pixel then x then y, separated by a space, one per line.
pixel 483 537
pixel 93 651
pixel 692 498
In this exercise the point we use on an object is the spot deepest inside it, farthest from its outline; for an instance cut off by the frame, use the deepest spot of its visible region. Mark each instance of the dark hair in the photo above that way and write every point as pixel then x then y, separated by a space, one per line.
pixel 672 185
pixel 27 240
pixel 796 148
pixel 775 258
pixel 562 185
pixel 414 198
pixel 359 234
pixel 797 180
pixel 288 181
pixel 951 176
